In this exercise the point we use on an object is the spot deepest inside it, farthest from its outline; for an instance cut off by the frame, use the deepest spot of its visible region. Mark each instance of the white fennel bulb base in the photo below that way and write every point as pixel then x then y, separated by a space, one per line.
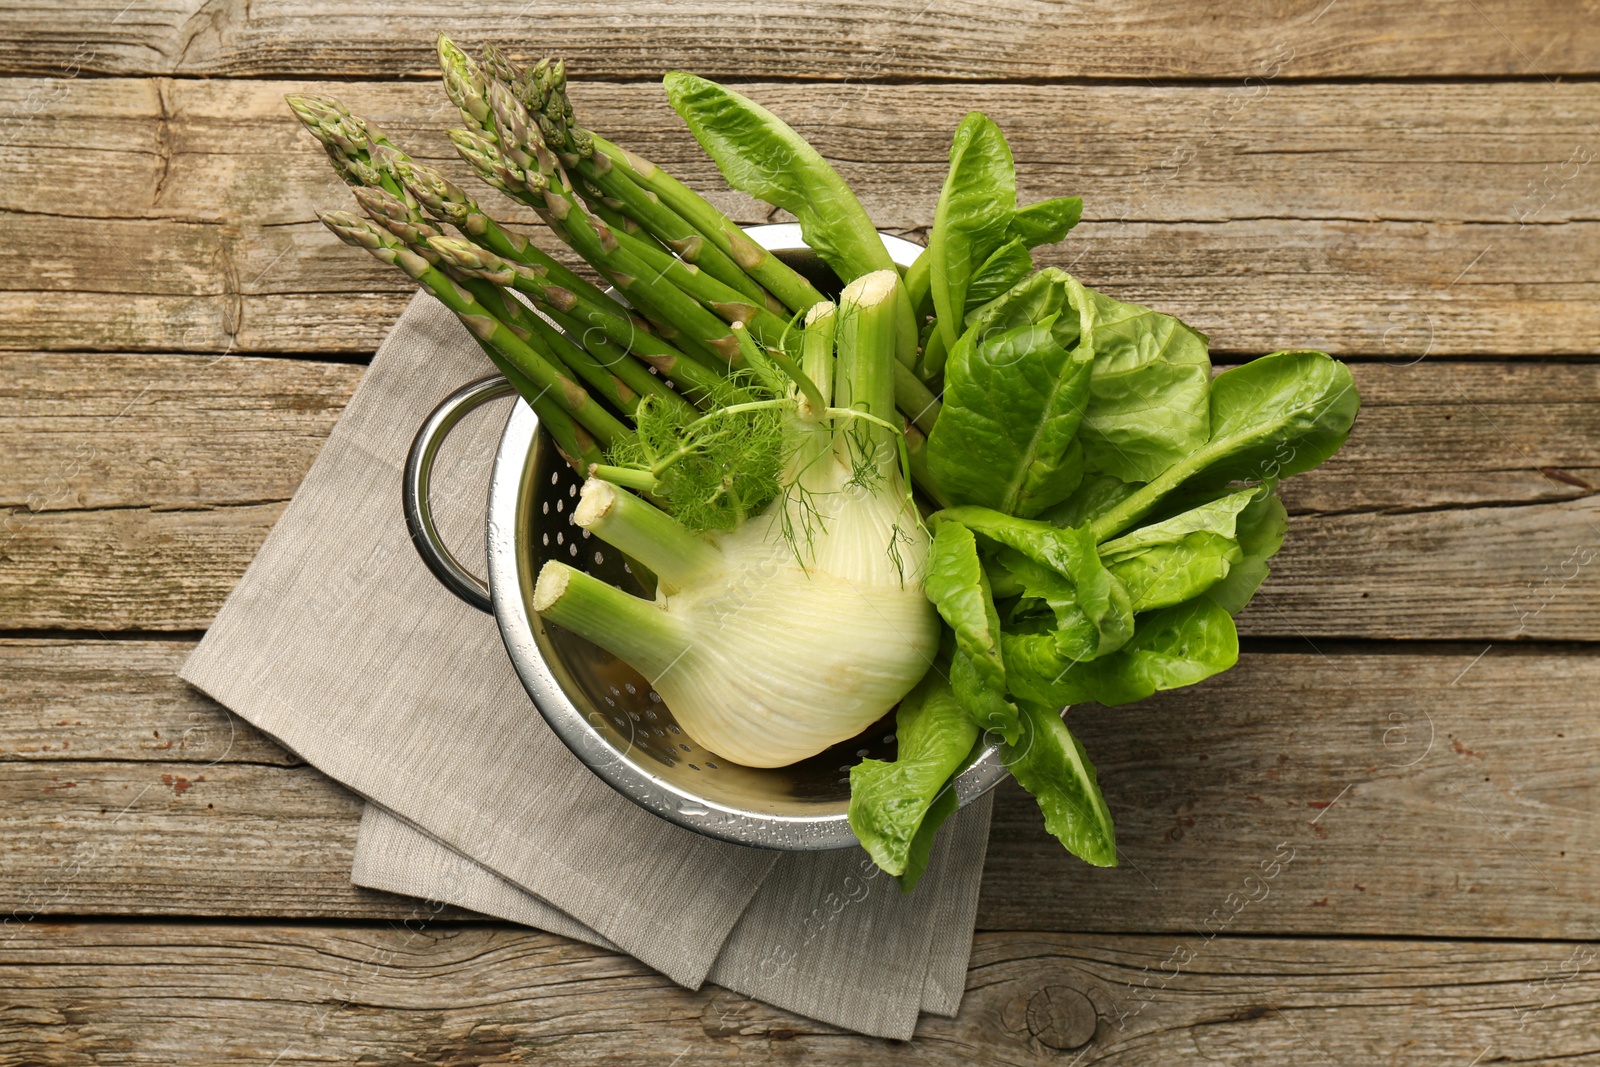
pixel 806 623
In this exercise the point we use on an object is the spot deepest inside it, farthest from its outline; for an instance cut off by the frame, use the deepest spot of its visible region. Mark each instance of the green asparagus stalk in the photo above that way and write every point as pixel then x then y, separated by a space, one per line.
pixel 591 153
pixel 546 191
pixel 542 92
pixel 448 202
pixel 405 222
pixel 586 359
pixel 572 441
pixel 466 85
pixel 552 383
pixel 914 398
pixel 598 157
pixel 521 142
pixel 551 343
pixel 600 323
pixel 699 383
pixel 910 393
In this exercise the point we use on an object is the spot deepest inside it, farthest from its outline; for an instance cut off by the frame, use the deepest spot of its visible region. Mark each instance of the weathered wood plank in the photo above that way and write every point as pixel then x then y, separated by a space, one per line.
pixel 1477 573
pixel 153 215
pixel 114 431
pixel 1448 816
pixel 442 993
pixel 210 152
pixel 852 42
pixel 177 431
pixel 142 485
pixel 93 700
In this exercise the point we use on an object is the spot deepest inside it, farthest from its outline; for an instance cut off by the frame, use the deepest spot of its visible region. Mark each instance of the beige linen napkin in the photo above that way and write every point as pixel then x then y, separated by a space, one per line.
pixel 855 978
pixel 340 643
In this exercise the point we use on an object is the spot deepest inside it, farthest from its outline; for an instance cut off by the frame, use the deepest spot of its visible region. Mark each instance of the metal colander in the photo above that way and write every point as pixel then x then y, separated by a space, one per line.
pixel 604 710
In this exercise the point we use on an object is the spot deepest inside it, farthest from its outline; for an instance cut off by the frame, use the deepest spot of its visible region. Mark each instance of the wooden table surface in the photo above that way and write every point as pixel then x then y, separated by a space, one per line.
pixel 1374 841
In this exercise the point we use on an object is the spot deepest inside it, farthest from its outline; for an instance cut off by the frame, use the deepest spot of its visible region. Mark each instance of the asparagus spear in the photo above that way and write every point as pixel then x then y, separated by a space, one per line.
pixel 513 129
pixel 577 305
pixel 521 142
pixel 515 149
pixel 596 159
pixel 465 257
pixel 448 202
pixel 542 92
pixel 574 443
pixel 359 145
pixel 482 277
pixel 608 337
pixel 551 383
pixel 544 191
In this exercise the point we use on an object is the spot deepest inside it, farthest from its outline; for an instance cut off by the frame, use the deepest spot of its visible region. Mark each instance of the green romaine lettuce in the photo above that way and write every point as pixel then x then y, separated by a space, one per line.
pixel 890 801
pixel 1051 764
pixel 1170 648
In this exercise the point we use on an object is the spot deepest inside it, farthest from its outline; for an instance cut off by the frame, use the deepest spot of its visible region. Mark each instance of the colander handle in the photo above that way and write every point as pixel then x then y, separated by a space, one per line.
pixel 415 486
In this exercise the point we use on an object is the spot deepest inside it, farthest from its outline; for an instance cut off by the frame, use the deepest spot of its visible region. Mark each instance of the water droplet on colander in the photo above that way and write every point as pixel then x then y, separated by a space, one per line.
pixel 693 807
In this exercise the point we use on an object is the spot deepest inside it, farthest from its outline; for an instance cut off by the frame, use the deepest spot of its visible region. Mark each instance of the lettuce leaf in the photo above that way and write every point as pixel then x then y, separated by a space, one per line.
pixel 890 802
pixel 1051 764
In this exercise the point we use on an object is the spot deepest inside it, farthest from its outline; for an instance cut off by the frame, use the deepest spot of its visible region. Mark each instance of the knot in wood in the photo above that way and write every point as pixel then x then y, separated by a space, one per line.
pixel 1061 1018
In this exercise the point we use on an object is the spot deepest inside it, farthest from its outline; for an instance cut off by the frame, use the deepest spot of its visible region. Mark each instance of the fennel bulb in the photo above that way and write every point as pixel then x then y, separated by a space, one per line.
pixel 807 622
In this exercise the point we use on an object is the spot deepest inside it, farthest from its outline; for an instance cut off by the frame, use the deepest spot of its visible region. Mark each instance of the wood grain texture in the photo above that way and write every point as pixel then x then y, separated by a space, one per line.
pixel 143 485
pixel 98 431
pixel 173 432
pixel 1349 794
pixel 1391 220
pixel 1011 39
pixel 1379 791
pixel 442 993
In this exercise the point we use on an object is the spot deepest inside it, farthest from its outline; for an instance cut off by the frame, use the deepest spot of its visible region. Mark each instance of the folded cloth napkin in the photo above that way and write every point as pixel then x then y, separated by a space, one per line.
pixel 341 644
